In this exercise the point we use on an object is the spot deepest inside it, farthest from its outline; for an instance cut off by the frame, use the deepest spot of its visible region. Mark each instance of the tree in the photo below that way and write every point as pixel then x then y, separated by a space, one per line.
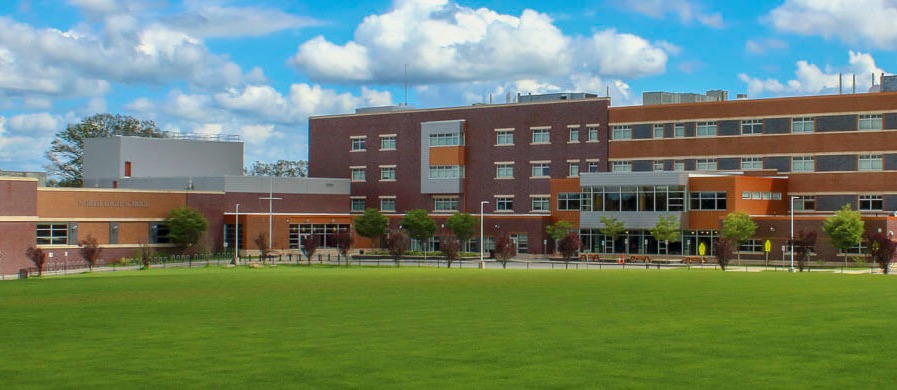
pixel 845 229
pixel 738 227
pixel 612 228
pixel 90 251
pixel 723 248
pixel 804 244
pixel 146 254
pixel 569 245
pixel 262 242
pixel 309 246
pixel 463 226
pixel 504 249
pixel 397 243
pixel 66 153
pixel 38 257
pixel 186 226
pixel 419 225
pixel 558 231
pixel 344 242
pixel 450 246
pixel 372 224
pixel 881 249
pixel 666 230
pixel 279 168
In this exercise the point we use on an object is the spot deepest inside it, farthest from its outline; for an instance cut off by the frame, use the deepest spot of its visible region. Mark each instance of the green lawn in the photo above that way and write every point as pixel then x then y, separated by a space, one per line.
pixel 439 328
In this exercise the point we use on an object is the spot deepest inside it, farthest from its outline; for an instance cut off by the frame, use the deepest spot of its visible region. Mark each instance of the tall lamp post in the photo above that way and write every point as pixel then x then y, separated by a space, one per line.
pixel 482 238
pixel 791 269
pixel 237 236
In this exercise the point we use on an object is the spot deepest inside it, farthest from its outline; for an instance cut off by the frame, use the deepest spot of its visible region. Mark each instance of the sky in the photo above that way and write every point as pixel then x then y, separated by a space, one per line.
pixel 259 69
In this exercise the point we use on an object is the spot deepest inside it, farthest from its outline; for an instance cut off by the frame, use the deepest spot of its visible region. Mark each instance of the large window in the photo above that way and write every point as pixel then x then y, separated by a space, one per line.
pixel 708 164
pixel 871 203
pixel 504 203
pixel 706 129
pixel 593 133
pixel 658 131
pixel 569 201
pixel 869 122
pixel 622 132
pixel 802 164
pixel 751 246
pixel 658 165
pixel 624 198
pixel 158 233
pixel 358 174
pixel 325 234
pixel 388 204
pixel 445 204
pixel 387 173
pixel 802 125
pixel 540 169
pixel 573 134
pixel 541 204
pixel 679 130
pixel 679 166
pixel 52 234
pixel 752 126
pixel 622 166
pixel 446 171
pixel 387 142
pixel 541 136
pixel 869 162
pixel 504 171
pixel 358 204
pixel 805 203
pixel 707 200
pixel 446 139
pixel 358 143
pixel 572 169
pixel 504 137
pixel 751 163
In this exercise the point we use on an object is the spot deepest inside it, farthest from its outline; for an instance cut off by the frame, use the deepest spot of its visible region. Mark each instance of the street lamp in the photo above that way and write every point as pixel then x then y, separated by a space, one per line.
pixel 237 236
pixel 482 238
pixel 791 269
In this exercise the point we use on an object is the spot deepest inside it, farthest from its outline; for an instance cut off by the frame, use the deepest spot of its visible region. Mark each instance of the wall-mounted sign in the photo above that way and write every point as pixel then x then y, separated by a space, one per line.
pixel 114 203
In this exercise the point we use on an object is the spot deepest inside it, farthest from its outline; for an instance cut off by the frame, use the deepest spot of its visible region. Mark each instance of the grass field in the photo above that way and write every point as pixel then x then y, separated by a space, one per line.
pixel 439 328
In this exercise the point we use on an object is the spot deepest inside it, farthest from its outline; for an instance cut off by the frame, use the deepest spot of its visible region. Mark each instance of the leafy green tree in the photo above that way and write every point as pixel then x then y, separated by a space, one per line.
pixel 279 168
pixel 738 227
pixel 612 228
pixel 558 231
pixel 186 226
pixel 463 226
pixel 666 230
pixel 397 243
pixel 882 250
pixel 504 249
pixel 66 153
pixel 419 225
pixel 568 245
pixel 372 224
pixel 845 229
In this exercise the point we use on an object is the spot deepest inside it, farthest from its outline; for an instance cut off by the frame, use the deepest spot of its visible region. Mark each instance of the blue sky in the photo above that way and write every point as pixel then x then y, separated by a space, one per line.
pixel 260 69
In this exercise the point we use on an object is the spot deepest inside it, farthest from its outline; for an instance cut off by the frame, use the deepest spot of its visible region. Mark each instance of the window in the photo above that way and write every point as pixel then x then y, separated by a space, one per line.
pixel 504 171
pixel 622 166
pixel 159 234
pixel 358 143
pixel 446 139
pixel 751 246
pixel 541 204
pixel 573 134
pixel 593 133
pixel 572 169
pixel 445 204
pixel 658 165
pixel 358 204
pixel 751 163
pixel 387 142
pixel 358 174
pixel 622 132
pixel 52 234
pixel 708 200
pixel 869 122
pixel 869 162
pixel 871 202
pixel 504 137
pixel 446 172
pixel 805 203
pixel 679 166
pixel 540 169
pixel 678 130
pixel 802 164
pixel 592 166
pixel 708 164
pixel 569 201
pixel 387 173
pixel 541 136
pixel 706 129
pixel 388 204
pixel 752 126
pixel 802 125
pixel 658 131
pixel 745 194
pixel 504 203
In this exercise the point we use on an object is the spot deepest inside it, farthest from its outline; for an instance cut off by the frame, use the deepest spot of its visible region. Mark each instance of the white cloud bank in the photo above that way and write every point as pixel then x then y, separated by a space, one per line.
pixel 853 21
pixel 811 79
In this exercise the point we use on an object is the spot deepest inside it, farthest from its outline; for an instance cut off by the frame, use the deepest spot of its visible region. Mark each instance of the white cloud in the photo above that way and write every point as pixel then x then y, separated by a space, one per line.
pixel 623 55
pixel 207 21
pixel 40 124
pixel 761 46
pixel 257 134
pixel 856 21
pixel 686 10
pixel 811 79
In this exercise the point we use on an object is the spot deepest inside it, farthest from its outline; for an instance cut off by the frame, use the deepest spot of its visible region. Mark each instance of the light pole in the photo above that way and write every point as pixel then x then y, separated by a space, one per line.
pixel 482 238
pixel 791 269
pixel 237 236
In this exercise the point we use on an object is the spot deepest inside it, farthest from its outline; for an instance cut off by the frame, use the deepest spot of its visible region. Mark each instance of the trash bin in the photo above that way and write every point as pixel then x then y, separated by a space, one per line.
pixel 23 273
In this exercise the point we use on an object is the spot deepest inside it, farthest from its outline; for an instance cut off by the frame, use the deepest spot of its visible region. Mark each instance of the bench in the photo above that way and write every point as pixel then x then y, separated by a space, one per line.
pixel 693 260
pixel 639 259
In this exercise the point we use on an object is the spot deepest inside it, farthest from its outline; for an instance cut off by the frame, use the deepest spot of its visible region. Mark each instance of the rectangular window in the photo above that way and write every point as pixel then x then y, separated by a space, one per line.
pixel 679 166
pixel 871 203
pixel 446 171
pixel 869 162
pixel 569 201
pixel 52 234
pixel 869 122
pixel 541 204
pixel 706 129
pixel 751 246
pixel 358 174
pixel 752 126
pixel 805 203
pixel 751 163
pixel 388 204
pixel 540 170
pixel 445 204
pixel 358 205
pixel 708 164
pixel 679 130
pixel 541 136
pixel 504 171
pixel 592 166
pixel 504 137
pixel 159 233
pixel 387 173
pixel 446 139
pixel 504 203
pixel 572 169
pixel 802 164
pixel 658 131
pixel 593 133
pixel 573 134
pixel 358 143
pixel 622 132
pixel 802 125
pixel 707 200
pixel 658 165
pixel 388 142
pixel 622 166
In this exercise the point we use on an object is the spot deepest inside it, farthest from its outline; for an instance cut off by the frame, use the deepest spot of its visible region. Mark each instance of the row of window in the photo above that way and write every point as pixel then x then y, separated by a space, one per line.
pixel 538 204
pixel 670 198
pixel 865 162
pixel 748 127
pixel 541 169
pixel 864 203
pixel 359 143
pixel 67 234
pixel 541 135
pixel 388 172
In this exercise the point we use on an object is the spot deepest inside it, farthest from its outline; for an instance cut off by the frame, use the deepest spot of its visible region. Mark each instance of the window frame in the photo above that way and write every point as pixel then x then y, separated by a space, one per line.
pixel 804 124
pixel 386 141
pixel 872 162
pixel 51 234
pixel 706 129
pixel 709 164
pixel 572 169
pixel 385 175
pixel 358 174
pixel 621 166
pixel 802 162
pixel 385 201
pixel 753 126
pixel 504 137
pixel 542 201
pixel 654 131
pixel 504 204
pixel 872 202
pixel 502 168
pixel 354 201
pixel 872 122
pixel 359 143
pixel 621 132
pixel 542 167
pixel 445 204
pixel 593 134
pixel 751 160
pixel 573 135
pixel 540 136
